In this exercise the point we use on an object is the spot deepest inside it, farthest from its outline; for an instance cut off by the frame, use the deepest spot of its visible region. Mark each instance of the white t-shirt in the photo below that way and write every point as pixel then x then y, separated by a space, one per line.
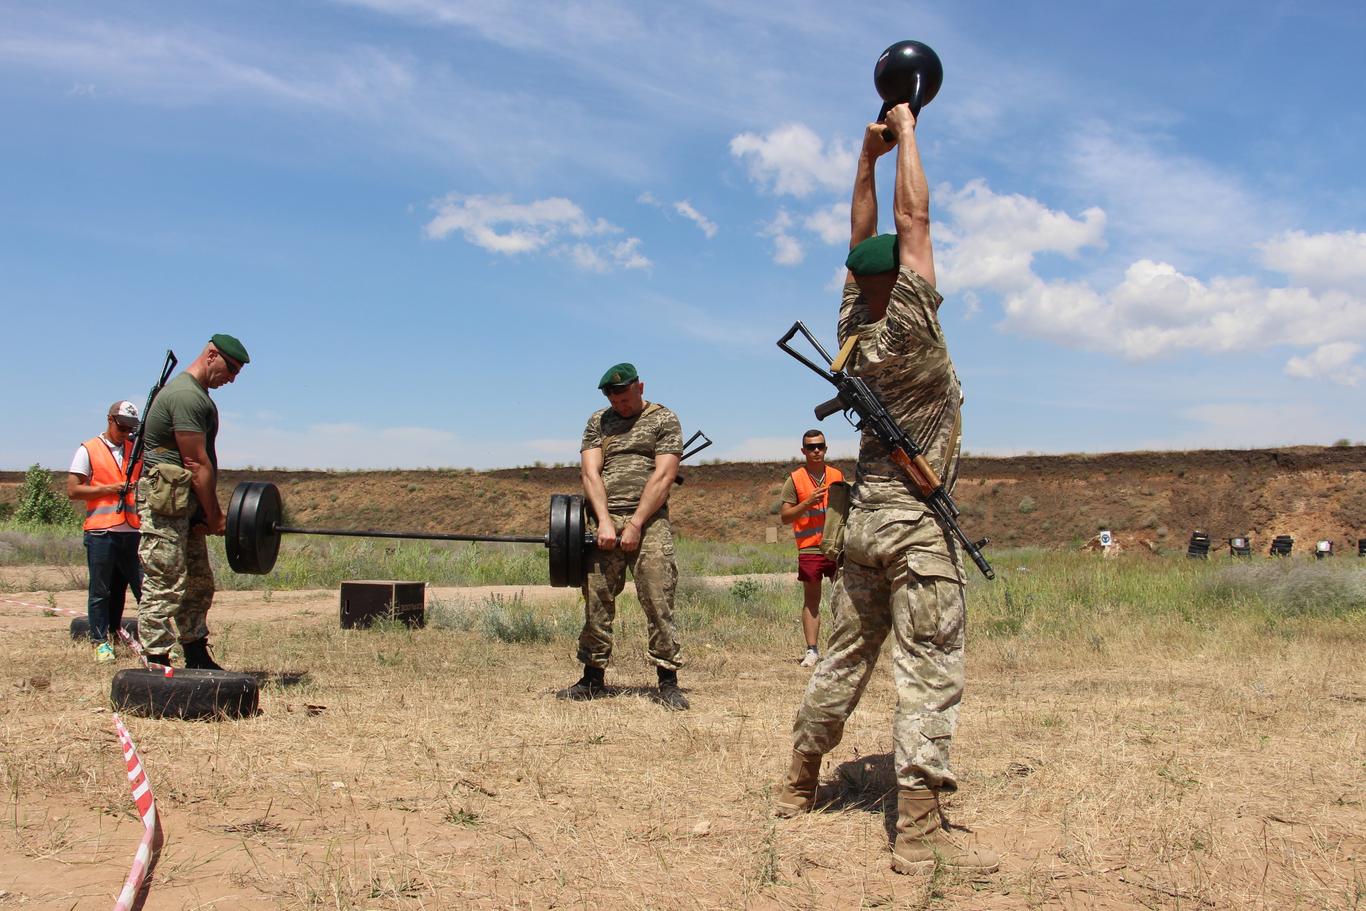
pixel 80 465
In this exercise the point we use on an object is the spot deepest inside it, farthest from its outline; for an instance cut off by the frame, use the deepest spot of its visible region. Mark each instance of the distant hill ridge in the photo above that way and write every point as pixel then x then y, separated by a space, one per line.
pixel 1152 498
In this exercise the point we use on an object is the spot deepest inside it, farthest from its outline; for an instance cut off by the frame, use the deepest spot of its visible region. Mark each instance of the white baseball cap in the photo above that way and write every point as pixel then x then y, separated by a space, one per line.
pixel 125 414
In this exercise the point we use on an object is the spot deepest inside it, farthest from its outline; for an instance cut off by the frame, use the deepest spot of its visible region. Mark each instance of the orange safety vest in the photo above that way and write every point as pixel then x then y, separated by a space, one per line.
pixel 811 523
pixel 104 512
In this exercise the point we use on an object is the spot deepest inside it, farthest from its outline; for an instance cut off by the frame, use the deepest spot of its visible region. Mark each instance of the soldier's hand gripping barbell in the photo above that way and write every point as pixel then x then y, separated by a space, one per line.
pixel 254 528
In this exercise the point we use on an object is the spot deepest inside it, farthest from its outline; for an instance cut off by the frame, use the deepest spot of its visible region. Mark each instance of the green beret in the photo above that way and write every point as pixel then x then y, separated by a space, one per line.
pixel 874 256
pixel 231 347
pixel 619 375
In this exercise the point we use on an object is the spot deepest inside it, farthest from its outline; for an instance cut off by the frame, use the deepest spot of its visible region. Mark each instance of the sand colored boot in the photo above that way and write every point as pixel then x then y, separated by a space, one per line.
pixel 798 793
pixel 921 841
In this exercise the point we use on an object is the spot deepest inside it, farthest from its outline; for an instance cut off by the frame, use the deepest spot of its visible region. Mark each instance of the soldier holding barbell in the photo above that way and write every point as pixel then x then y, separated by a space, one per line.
pixel 629 459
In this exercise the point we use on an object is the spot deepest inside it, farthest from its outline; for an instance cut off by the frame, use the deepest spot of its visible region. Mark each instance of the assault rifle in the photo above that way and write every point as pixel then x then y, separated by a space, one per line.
pixel 678 479
pixel 854 396
pixel 138 447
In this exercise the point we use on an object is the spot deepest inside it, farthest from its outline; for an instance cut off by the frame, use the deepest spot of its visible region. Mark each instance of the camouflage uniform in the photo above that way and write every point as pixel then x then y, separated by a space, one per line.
pixel 629 447
pixel 177 584
pixel 901 573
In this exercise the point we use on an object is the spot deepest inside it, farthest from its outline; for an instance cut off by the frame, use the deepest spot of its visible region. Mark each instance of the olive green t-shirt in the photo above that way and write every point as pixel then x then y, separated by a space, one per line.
pixel 184 405
pixel 629 447
pixel 905 361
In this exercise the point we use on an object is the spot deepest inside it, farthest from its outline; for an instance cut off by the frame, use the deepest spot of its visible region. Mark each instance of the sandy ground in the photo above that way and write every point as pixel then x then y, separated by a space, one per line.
pixel 433 769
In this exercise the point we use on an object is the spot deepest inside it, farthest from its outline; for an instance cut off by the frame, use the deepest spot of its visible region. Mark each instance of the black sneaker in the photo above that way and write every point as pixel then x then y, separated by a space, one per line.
pixel 669 695
pixel 589 686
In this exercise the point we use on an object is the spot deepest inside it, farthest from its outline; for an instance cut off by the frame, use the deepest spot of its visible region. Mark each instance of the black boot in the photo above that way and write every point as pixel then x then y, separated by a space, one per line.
pixel 197 656
pixel 669 695
pixel 589 686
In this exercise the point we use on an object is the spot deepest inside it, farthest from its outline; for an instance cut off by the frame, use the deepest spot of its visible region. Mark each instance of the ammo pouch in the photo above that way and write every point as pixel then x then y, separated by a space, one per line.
pixel 168 490
pixel 836 513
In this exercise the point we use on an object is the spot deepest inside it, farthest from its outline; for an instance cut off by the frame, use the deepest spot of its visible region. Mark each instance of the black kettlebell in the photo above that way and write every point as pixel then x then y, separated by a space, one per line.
pixel 909 72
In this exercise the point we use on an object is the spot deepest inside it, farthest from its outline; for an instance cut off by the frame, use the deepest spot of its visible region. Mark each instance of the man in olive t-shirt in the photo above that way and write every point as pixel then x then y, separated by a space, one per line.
pixel 180 431
pixel 629 459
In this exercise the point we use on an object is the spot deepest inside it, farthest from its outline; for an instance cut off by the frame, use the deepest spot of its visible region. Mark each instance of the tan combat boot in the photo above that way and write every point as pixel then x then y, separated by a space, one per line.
pixel 798 793
pixel 921 841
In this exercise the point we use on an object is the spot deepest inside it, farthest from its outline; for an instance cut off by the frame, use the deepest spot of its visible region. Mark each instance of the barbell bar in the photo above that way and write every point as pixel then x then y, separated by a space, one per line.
pixel 254 528
pixel 255 513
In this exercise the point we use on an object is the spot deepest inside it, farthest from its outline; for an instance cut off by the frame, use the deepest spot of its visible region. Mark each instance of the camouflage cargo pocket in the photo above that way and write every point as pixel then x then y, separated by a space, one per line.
pixel 935 592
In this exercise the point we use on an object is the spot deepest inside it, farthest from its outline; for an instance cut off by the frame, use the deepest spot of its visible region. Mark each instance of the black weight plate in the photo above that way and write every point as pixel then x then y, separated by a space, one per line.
pixel 576 548
pixel 258 541
pixel 231 533
pixel 558 541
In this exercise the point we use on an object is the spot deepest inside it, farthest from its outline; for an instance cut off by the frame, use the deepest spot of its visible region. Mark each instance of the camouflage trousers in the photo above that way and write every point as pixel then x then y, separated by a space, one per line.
pixel 656 576
pixel 898 577
pixel 177 581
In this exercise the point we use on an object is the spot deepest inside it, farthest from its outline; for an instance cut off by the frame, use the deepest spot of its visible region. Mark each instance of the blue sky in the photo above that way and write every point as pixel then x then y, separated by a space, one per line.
pixel 434 224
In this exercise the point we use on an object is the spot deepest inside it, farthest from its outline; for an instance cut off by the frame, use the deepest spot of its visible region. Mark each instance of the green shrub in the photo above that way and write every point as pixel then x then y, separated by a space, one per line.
pixel 39 504
pixel 745 590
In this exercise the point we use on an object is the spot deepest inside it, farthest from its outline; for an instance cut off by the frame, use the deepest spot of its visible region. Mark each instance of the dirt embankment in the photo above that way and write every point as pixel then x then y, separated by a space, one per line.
pixel 1051 501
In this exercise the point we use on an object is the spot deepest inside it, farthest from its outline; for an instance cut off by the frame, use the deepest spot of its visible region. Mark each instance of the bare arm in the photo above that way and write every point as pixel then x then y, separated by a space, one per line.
pixel 590 473
pixel 911 200
pixel 79 488
pixel 863 207
pixel 203 481
pixel 654 495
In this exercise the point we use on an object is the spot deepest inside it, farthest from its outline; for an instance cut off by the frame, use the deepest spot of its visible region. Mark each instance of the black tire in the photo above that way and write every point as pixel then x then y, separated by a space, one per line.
pixel 80 627
pixel 190 694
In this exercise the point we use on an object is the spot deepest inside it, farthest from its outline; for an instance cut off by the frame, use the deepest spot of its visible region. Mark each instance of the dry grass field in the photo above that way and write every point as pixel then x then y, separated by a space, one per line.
pixel 1136 734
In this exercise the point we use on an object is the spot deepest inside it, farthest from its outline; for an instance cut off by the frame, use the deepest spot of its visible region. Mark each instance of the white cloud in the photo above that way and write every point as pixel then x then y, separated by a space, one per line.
pixel 498 225
pixel 830 224
pixel 1320 261
pixel 990 240
pixel 1157 309
pixel 1332 362
pixel 787 250
pixel 792 160
pixel 685 208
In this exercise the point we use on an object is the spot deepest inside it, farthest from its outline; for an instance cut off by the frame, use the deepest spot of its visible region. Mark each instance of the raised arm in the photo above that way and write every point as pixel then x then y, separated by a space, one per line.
pixel 911 199
pixel 863 207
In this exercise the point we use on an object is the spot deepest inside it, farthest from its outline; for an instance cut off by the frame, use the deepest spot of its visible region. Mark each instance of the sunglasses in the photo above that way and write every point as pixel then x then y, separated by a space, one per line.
pixel 814 447
pixel 617 390
pixel 234 368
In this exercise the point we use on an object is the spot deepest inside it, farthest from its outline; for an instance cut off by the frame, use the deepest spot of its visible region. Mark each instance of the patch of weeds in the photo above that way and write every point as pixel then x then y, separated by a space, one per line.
pixel 746 590
pixel 767 872
pixel 510 620
pixel 459 816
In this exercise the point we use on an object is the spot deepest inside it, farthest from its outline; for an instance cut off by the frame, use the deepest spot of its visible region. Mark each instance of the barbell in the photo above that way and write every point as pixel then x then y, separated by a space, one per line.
pixel 255 514
pixel 252 537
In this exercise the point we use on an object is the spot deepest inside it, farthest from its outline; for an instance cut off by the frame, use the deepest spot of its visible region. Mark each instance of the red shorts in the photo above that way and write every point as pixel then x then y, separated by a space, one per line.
pixel 810 567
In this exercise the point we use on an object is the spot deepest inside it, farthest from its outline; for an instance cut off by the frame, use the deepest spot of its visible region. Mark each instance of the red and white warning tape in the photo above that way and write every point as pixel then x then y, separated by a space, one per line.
pixel 141 789
pixel 138 784
pixel 44 607
pixel 136 646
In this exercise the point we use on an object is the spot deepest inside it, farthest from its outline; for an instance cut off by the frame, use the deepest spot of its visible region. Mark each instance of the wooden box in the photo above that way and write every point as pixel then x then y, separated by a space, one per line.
pixel 364 602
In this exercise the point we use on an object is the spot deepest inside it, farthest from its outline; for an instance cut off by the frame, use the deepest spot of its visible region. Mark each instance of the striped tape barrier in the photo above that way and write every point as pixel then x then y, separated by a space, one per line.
pixel 136 647
pixel 146 805
pixel 44 607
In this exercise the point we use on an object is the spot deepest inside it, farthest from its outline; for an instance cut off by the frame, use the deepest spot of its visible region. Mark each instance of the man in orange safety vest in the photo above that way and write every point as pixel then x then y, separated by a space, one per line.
pixel 97 476
pixel 804 500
